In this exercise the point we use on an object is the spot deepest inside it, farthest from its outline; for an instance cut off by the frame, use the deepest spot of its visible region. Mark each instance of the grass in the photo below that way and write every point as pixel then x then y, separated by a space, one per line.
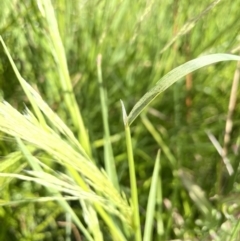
pixel 72 168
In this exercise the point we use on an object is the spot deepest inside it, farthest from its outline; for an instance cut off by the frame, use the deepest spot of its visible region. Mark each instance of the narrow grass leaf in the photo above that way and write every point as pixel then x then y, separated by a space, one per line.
pixel 133 184
pixel 31 159
pixel 58 185
pixel 53 118
pixel 47 9
pixel 39 199
pixel 152 201
pixel 156 135
pixel 219 149
pixel 21 126
pixel 159 212
pixel 124 114
pixel 21 80
pixel 108 152
pixel 236 232
pixel 173 76
pixel 10 160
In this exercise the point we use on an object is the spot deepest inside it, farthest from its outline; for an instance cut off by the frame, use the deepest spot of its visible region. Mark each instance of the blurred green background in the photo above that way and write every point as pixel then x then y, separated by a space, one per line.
pixel 131 37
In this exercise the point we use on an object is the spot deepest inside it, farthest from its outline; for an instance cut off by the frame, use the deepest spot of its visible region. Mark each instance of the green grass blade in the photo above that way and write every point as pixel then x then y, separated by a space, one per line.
pixel 22 82
pixel 53 118
pixel 235 234
pixel 152 201
pixel 108 152
pixel 157 137
pixel 27 128
pixel 58 50
pixel 173 76
pixel 30 158
pixel 159 212
pixel 35 165
pixel 9 161
pixel 132 174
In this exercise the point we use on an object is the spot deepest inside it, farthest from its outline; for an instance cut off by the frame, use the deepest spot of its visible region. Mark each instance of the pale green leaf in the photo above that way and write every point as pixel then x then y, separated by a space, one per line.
pixel 173 76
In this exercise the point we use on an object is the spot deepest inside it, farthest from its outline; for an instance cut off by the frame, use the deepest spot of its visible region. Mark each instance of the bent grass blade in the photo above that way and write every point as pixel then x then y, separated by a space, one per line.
pixel 172 77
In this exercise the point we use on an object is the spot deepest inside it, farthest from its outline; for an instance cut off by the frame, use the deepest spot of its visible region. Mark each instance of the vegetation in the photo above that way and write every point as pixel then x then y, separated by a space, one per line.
pixel 95 145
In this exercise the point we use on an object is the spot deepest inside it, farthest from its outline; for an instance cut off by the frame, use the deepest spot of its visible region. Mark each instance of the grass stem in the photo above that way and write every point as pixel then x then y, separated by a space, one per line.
pixel 134 190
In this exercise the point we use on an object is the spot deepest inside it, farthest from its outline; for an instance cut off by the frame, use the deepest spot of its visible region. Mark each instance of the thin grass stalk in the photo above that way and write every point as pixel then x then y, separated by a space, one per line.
pixel 10 160
pixel 236 231
pixel 150 213
pixel 132 174
pixel 108 152
pixel 41 119
pixel 229 121
pixel 133 183
pixel 157 137
pixel 35 166
pixel 63 153
pixel 115 231
pixel 32 98
pixel 106 217
pixel 47 11
pixel 224 162
pixel 97 234
pixel 159 216
pixel 73 172
pixel 49 220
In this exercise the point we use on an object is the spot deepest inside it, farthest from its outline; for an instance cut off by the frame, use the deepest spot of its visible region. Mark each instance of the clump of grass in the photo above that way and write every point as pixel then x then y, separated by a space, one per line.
pixel 86 181
pixel 54 150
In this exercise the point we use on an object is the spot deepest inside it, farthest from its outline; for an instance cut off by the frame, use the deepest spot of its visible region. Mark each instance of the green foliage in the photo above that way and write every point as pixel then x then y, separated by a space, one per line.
pixel 68 170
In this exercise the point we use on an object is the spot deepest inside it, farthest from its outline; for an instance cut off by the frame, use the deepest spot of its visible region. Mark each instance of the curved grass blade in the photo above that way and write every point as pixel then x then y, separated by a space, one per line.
pixel 173 76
